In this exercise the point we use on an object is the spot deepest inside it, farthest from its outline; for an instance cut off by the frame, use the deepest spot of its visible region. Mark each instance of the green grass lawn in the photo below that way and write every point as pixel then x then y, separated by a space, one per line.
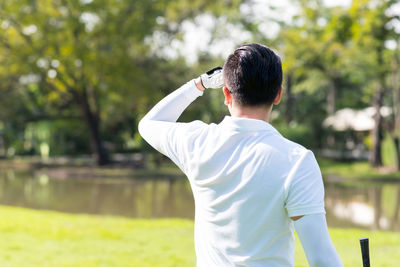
pixel 44 238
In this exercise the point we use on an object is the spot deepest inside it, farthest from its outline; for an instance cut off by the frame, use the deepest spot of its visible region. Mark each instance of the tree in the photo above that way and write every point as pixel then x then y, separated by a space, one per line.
pixel 315 47
pixel 76 52
pixel 90 57
pixel 395 131
pixel 370 32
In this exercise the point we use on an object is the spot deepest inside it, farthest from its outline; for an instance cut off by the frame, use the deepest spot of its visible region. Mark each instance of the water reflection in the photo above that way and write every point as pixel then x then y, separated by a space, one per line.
pixel 373 206
pixel 146 198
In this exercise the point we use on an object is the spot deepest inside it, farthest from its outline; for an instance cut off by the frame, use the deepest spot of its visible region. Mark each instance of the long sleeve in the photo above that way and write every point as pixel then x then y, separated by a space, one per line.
pixel 159 127
pixel 317 245
pixel 171 107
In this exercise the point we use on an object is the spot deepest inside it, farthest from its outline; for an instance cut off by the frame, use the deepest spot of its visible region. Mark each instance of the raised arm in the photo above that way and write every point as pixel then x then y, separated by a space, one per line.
pixel 165 113
pixel 161 118
pixel 312 231
pixel 172 106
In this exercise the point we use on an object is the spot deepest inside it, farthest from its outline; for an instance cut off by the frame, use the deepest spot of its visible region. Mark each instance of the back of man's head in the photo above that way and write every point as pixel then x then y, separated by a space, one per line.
pixel 253 75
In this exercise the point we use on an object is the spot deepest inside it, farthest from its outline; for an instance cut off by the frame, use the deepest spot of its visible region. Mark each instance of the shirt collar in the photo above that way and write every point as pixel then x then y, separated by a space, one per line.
pixel 246 124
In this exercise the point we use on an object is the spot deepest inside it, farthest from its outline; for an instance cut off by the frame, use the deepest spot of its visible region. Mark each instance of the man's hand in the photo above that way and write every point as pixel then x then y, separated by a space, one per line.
pixel 212 79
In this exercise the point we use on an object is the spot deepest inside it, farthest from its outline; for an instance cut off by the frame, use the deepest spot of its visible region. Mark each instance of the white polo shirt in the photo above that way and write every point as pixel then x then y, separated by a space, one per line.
pixel 247 181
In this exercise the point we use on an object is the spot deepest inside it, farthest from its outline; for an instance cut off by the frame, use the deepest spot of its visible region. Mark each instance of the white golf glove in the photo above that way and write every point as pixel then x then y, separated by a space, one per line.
pixel 212 78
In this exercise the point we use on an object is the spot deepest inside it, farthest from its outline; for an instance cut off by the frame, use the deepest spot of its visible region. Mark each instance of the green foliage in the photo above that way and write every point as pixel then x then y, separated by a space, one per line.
pixel 92 60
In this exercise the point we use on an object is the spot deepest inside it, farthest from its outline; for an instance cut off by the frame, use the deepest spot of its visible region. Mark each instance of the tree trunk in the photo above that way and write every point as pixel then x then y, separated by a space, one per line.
pixel 397 149
pixel 93 124
pixel 396 110
pixel 2 148
pixel 377 132
pixel 330 109
pixel 331 98
pixel 289 99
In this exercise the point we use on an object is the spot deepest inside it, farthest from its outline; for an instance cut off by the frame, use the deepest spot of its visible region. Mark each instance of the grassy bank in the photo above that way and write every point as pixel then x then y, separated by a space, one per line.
pixel 356 170
pixel 43 238
pixel 58 169
pixel 363 170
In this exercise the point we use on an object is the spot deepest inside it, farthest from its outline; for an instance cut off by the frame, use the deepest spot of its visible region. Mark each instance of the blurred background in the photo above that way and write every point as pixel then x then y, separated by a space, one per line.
pixel 76 76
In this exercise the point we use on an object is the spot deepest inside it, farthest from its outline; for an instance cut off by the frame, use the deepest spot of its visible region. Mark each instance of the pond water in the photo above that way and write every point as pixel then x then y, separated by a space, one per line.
pixel 361 205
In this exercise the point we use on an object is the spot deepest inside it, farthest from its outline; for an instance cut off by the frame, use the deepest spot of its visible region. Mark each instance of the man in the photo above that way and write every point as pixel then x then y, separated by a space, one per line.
pixel 250 184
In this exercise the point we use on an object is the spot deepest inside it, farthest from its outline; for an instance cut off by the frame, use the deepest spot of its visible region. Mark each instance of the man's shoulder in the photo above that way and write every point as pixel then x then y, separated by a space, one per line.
pixel 194 129
pixel 294 145
pixel 291 150
pixel 290 144
pixel 193 125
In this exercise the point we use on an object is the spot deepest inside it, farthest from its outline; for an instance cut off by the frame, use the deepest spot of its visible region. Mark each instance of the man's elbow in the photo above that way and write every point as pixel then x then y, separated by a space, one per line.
pixel 319 262
pixel 146 129
pixel 325 260
pixel 142 127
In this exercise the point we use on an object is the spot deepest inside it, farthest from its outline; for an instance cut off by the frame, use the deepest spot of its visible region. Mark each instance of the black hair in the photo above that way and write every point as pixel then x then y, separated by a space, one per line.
pixel 253 75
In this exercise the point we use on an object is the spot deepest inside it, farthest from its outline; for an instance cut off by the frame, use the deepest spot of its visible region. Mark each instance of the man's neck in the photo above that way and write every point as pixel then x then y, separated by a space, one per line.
pixel 257 113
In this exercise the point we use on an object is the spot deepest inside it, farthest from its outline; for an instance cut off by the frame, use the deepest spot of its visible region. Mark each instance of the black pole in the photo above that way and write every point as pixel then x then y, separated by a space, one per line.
pixel 365 251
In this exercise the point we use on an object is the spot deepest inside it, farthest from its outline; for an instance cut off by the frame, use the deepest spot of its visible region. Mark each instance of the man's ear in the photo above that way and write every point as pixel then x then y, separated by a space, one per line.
pixel 228 96
pixel 278 97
